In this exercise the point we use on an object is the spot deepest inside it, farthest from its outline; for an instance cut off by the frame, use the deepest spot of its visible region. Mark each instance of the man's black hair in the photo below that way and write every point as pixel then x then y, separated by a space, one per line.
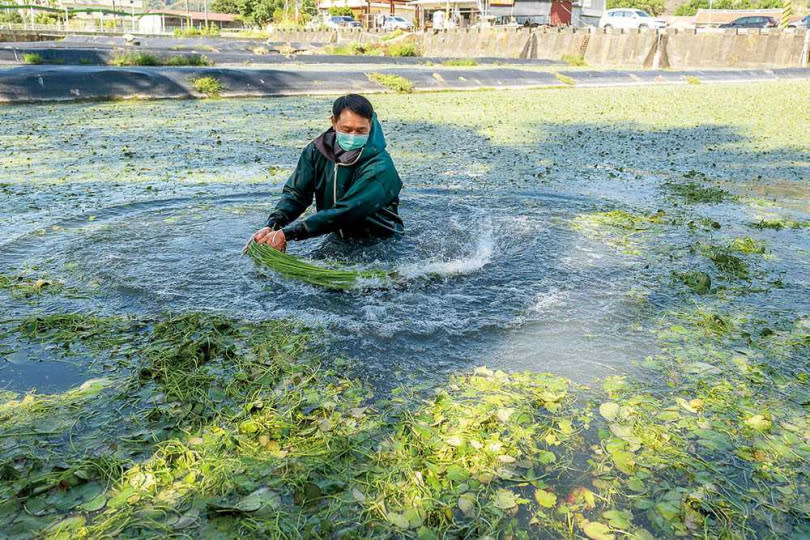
pixel 355 103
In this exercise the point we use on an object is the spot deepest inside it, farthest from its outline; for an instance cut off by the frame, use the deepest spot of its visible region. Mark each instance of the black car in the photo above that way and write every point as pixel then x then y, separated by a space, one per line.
pixel 751 22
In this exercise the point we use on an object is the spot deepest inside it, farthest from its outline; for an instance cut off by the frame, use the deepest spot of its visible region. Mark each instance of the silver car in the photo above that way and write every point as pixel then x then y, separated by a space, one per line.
pixel 632 19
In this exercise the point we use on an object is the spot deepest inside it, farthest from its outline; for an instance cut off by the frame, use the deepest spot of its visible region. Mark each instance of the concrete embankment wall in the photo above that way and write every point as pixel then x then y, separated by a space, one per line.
pixel 770 48
pixel 644 48
pixel 631 48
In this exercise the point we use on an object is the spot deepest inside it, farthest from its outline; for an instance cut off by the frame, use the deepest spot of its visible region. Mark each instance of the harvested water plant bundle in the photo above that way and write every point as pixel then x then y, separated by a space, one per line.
pixel 328 278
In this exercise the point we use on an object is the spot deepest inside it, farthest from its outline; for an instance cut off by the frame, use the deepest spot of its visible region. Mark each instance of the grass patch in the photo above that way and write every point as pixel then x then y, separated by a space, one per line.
pixel 211 30
pixel 393 35
pixel 565 79
pixel 460 62
pixel 691 79
pixel 33 58
pixel 402 49
pixel 375 49
pixel 210 86
pixel 575 60
pixel 398 84
pixel 136 59
pixel 188 60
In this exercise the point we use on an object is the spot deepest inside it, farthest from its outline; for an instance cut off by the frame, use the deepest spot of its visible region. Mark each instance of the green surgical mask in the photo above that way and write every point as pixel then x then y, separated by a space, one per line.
pixel 349 141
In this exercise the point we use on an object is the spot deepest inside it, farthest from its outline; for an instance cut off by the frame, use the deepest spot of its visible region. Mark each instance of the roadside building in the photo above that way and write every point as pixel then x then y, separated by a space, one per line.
pixel 510 13
pixel 157 21
pixel 370 13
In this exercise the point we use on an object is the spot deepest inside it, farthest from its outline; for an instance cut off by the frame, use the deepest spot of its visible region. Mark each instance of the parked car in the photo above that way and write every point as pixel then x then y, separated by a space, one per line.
pixel 751 22
pixel 395 22
pixel 333 22
pixel 802 24
pixel 630 18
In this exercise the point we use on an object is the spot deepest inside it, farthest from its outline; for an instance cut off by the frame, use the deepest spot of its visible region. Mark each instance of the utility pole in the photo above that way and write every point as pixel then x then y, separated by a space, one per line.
pixel 115 18
pixel 188 15
pixel 205 10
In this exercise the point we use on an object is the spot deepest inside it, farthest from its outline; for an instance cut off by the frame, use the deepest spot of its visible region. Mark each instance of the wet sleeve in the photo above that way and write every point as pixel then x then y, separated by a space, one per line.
pixel 297 193
pixel 371 192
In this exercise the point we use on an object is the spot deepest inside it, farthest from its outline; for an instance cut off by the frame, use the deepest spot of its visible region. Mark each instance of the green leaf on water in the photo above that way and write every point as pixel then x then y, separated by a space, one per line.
pixel 625 461
pixel 457 473
pixel 609 410
pixel 505 499
pixel 398 520
pixel 466 503
pixel 544 498
pixel 758 422
pixel 597 531
pixel 618 519
pixel 95 504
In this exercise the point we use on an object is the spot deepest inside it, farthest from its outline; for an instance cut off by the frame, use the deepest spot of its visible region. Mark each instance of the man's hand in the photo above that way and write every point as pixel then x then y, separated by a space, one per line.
pixel 274 239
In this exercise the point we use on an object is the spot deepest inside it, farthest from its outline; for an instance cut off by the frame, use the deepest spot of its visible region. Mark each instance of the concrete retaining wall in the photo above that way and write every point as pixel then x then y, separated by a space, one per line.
pixel 670 48
pixel 646 48
pixel 730 49
pixel 612 48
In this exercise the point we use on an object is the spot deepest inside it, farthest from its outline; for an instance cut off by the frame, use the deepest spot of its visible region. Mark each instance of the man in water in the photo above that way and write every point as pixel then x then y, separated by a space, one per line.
pixel 350 175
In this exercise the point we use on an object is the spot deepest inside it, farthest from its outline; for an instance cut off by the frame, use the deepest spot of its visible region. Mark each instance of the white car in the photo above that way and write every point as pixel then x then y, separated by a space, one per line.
pixel 631 19
pixel 395 22
pixel 803 24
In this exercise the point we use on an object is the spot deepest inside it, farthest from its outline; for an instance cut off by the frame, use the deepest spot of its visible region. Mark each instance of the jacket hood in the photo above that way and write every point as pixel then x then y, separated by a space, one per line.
pixel 327 145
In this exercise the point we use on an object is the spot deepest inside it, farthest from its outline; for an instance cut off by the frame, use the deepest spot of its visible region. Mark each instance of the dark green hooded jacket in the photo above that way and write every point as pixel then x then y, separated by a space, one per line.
pixel 356 193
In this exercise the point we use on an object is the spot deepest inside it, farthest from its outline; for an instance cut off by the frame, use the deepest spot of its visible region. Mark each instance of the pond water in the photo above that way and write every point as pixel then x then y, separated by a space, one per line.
pixel 144 206
pixel 649 243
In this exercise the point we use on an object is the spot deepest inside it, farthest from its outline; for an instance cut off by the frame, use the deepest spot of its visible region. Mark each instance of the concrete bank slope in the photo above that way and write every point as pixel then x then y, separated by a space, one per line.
pixel 64 83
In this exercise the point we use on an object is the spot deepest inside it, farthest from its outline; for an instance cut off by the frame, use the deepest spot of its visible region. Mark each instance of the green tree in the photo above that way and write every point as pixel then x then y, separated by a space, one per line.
pixel 653 7
pixel 226 6
pixel 10 16
pixel 340 11
pixel 691 8
pixel 309 8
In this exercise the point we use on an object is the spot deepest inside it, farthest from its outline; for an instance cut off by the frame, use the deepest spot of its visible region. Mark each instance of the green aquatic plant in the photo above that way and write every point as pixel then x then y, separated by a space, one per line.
pixel 619 228
pixel 21 286
pixel 730 265
pixel 329 278
pixel 694 193
pixel 780 223
pixel 286 446
pixel 748 245
pixel 699 282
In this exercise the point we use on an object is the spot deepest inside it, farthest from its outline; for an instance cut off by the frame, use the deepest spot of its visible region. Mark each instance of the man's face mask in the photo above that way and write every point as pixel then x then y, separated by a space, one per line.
pixel 349 141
